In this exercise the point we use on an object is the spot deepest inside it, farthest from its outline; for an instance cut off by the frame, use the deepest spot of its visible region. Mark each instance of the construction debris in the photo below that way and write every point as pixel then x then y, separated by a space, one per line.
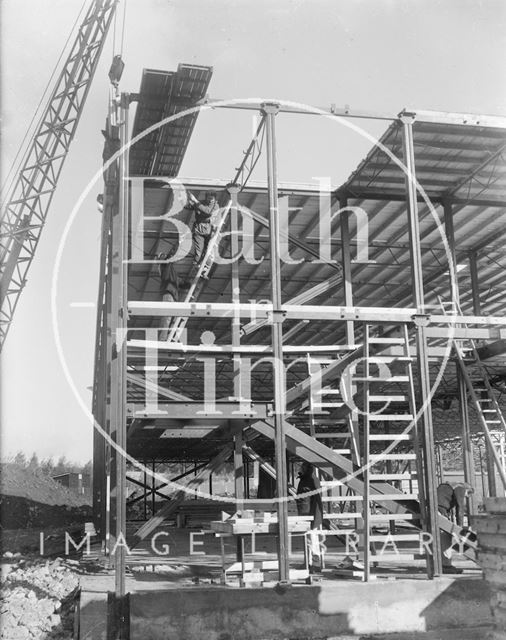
pixel 37 600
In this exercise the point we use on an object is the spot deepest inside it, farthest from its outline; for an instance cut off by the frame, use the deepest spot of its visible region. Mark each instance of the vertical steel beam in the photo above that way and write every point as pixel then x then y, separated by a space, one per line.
pixel 366 502
pixel 450 236
pixel 434 564
pixel 475 292
pixel 475 285
pixel 118 364
pixel 344 221
pixel 467 445
pixel 270 111
pixel 238 471
pixel 236 340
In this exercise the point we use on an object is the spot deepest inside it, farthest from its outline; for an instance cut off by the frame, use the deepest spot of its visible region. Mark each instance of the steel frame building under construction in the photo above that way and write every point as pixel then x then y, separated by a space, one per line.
pixel 350 314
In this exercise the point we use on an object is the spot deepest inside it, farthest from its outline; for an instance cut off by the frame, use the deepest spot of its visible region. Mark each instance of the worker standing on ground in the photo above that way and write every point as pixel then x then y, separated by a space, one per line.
pixel 311 505
pixel 203 224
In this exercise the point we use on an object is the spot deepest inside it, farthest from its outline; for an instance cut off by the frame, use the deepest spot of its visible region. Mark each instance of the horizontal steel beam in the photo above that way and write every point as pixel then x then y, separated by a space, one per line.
pixel 192 410
pixel 439 117
pixel 259 311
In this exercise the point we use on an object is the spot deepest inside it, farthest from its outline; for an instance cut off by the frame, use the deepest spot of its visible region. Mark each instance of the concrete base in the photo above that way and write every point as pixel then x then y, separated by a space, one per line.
pixel 336 610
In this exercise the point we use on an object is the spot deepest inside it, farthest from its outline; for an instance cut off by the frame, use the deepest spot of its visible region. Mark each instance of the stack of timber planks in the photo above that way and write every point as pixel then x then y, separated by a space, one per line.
pixel 491 530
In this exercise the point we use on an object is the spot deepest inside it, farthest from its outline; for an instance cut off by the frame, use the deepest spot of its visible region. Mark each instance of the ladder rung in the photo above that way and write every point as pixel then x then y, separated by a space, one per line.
pixel 492 422
pixel 389 359
pixel 389 436
pixel 330 434
pixel 391 416
pixel 392 398
pixel 342 452
pixel 327 405
pixel 394 496
pixel 342 498
pixel 488 411
pixel 383 379
pixel 328 392
pixel 386 340
pixel 342 516
pixel 397 537
pixel 390 476
pixel 376 517
pixel 392 456
pixel 397 557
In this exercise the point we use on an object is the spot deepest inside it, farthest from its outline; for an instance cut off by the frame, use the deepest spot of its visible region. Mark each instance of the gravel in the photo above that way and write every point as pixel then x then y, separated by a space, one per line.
pixel 37 600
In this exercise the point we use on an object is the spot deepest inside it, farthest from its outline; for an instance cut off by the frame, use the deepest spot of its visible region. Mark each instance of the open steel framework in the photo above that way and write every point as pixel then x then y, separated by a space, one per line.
pixel 302 310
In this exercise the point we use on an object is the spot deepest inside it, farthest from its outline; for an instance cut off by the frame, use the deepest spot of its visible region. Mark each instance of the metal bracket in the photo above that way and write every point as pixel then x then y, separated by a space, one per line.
pixel 407 117
pixel 275 317
pixel 270 107
pixel 421 319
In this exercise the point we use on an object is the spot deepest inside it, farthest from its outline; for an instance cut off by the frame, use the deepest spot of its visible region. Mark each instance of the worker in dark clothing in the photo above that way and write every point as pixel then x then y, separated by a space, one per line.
pixel 203 224
pixel 310 505
pixel 451 499
pixel 169 288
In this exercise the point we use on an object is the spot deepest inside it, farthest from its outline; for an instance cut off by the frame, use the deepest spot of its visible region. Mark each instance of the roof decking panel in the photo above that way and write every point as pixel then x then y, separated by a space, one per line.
pixel 464 162
pixel 163 94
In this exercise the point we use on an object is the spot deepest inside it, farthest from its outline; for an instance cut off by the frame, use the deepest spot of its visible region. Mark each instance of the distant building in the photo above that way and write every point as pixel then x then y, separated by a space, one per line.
pixel 77 482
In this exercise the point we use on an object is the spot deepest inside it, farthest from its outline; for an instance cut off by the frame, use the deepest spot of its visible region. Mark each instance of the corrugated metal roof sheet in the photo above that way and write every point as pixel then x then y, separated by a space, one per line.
pixel 163 94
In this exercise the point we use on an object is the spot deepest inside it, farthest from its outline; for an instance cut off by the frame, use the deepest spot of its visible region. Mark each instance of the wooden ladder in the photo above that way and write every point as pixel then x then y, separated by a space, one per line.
pixel 390 455
pixel 481 393
pixel 339 502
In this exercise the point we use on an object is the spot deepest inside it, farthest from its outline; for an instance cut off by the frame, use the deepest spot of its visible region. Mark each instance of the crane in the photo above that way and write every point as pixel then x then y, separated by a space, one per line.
pixel 29 200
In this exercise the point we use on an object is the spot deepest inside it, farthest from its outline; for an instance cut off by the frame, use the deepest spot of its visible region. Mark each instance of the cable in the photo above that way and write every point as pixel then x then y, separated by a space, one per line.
pixel 15 164
pixel 114 35
pixel 123 27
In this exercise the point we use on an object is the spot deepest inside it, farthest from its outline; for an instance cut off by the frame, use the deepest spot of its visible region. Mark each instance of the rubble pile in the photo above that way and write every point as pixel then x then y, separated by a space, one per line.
pixel 37 600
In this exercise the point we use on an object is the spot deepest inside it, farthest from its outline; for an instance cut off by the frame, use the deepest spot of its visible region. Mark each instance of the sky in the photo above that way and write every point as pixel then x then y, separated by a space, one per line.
pixel 375 55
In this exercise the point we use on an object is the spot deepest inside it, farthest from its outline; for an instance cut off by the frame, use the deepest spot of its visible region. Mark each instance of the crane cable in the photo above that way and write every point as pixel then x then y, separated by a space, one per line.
pixel 15 165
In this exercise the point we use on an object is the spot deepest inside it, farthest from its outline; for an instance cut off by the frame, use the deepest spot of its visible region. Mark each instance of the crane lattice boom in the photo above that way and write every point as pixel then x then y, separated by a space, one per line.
pixel 25 212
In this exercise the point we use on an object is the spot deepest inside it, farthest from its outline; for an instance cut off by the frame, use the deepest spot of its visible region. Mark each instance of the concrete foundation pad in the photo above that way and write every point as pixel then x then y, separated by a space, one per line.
pixel 329 610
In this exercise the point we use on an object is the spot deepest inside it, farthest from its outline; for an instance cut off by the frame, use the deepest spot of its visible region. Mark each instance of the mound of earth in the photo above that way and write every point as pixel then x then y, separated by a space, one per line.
pixel 23 483
pixel 29 499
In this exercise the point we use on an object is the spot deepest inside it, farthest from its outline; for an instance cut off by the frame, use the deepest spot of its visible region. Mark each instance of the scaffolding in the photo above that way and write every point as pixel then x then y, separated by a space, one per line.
pixel 297 346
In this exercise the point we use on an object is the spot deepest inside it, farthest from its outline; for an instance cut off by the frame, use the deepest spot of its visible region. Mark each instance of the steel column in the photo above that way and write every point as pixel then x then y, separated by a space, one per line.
pixel 475 292
pixel 467 444
pixel 118 364
pixel 270 110
pixel 434 564
pixel 344 218
pixel 475 285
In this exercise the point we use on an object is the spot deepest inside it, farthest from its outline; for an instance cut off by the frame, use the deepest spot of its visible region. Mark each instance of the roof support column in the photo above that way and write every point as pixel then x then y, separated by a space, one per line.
pixel 236 341
pixel 270 110
pixel 467 445
pixel 344 218
pixel 434 562
pixel 118 363
pixel 475 285
pixel 475 291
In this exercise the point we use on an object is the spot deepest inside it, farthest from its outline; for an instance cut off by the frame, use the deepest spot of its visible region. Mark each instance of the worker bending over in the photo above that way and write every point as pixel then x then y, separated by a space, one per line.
pixel 451 499
pixel 203 224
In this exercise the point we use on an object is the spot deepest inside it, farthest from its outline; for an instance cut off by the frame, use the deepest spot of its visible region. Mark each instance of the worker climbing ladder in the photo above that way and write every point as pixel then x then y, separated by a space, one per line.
pixel 202 272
